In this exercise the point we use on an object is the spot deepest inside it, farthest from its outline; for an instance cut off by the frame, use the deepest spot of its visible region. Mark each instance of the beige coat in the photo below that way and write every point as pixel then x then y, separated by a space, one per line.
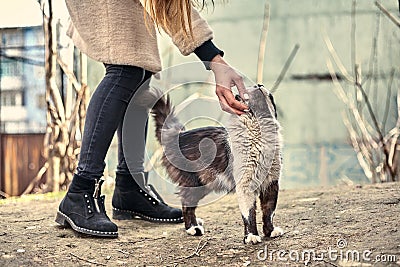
pixel 114 31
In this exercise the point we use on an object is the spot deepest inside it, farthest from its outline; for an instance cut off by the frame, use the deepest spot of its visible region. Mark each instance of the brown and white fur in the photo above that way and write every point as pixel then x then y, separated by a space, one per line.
pixel 244 157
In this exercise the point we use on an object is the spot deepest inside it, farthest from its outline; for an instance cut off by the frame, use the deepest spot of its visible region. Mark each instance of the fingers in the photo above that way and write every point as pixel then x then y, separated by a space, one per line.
pixel 225 78
pixel 240 86
pixel 225 107
pixel 228 101
pixel 232 102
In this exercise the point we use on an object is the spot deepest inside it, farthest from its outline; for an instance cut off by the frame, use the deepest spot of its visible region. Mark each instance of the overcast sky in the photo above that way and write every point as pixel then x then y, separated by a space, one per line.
pixel 20 13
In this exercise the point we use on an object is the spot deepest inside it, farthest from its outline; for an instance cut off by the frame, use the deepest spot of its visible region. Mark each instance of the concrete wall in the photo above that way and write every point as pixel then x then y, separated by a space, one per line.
pixel 317 150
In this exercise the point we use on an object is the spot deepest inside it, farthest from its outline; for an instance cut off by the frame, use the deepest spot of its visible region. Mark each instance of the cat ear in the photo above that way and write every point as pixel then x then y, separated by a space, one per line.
pixel 268 94
pixel 273 104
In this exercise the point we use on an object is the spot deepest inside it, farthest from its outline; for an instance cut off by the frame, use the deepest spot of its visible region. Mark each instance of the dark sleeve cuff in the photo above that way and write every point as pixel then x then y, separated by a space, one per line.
pixel 206 52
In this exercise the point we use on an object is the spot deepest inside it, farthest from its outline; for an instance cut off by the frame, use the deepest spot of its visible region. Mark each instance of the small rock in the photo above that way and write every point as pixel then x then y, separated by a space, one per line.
pixel 233 250
pixel 246 263
pixel 37 259
pixel 391 201
pixel 108 257
pixel 7 256
pixel 62 235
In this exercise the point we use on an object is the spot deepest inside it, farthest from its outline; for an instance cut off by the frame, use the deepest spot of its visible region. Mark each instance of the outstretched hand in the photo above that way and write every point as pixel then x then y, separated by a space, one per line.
pixel 225 78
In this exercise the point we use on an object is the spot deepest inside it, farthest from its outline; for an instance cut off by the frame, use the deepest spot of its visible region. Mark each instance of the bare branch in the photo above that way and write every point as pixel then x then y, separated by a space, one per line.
pixel 388 96
pixel 70 75
pixel 374 52
pixel 78 100
pixel 362 124
pixel 336 58
pixel 339 90
pixel 371 112
pixel 375 155
pixel 52 91
pixel 363 155
pixel 392 150
pixel 196 252
pixel 263 43
pixel 353 37
pixel 285 68
pixel 88 261
pixel 37 178
pixel 388 14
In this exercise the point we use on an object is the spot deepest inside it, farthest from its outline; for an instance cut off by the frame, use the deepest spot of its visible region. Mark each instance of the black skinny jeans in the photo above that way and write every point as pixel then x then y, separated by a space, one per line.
pixel 105 115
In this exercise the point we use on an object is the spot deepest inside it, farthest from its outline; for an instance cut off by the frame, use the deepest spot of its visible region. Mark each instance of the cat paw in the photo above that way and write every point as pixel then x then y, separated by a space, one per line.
pixel 196 230
pixel 276 232
pixel 253 239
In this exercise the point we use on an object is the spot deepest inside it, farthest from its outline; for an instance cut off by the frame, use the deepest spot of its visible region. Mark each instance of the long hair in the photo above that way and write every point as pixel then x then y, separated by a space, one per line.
pixel 172 15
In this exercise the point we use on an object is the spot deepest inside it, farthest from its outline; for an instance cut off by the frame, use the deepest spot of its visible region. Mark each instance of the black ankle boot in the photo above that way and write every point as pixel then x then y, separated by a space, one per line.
pixel 131 200
pixel 85 213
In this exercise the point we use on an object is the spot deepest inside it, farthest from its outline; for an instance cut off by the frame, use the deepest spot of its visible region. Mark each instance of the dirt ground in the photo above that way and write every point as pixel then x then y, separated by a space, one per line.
pixel 340 226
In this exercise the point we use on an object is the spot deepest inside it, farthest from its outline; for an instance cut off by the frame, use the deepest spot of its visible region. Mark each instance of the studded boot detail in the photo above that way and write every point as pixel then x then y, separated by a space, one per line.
pixel 134 198
pixel 85 213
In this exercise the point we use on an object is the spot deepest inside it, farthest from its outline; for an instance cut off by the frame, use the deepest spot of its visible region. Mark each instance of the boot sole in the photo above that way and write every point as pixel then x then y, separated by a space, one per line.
pixel 65 221
pixel 131 215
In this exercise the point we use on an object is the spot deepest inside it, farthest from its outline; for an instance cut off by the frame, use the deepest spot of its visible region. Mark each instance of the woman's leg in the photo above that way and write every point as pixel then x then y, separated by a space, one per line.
pixel 131 159
pixel 105 113
pixel 133 197
pixel 83 207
